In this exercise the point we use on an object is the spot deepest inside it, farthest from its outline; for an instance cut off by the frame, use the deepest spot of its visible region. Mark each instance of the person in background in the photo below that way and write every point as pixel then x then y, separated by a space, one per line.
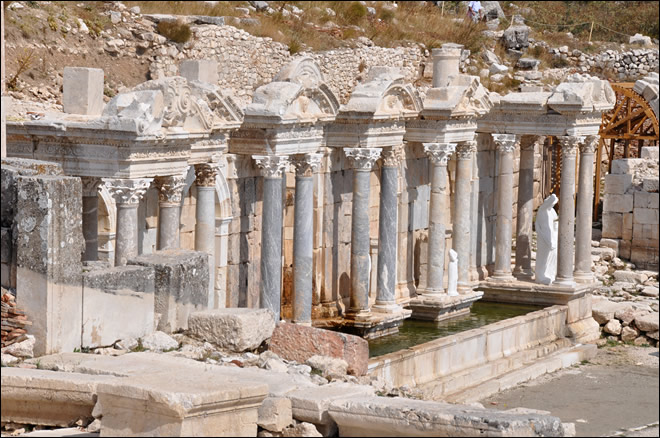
pixel 475 11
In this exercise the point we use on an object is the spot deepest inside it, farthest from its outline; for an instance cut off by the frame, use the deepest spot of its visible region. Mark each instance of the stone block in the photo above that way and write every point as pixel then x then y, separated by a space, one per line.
pixel 49 244
pixel 648 322
pixel 630 277
pixel 604 310
pixel 610 243
pixel 179 404
pixel 617 203
pixel 234 329
pixel 617 184
pixel 645 216
pixel 299 343
pixel 181 285
pixel 650 185
pixel 626 165
pixel 651 153
pixel 118 303
pixel 612 225
pixel 48 398
pixel 627 227
pixel 275 414
pixel 397 416
pixel 624 249
pixel 646 200
pixel 203 70
pixel 83 91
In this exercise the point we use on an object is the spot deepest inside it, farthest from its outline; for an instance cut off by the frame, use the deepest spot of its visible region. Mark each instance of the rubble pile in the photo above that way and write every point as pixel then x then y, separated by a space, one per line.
pixel 14 321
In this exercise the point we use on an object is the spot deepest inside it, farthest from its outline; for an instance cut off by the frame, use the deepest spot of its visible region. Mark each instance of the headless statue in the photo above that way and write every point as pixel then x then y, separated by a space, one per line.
pixel 546 241
pixel 452 274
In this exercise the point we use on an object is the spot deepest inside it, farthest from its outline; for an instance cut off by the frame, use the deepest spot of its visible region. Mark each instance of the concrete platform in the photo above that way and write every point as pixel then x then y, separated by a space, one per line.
pixel 442 307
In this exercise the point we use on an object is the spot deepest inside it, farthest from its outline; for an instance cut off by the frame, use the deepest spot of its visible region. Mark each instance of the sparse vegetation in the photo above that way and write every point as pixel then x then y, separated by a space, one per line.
pixel 176 31
pixel 23 63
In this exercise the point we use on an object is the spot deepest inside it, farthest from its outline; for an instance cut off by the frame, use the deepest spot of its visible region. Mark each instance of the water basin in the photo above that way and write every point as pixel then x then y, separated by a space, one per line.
pixel 413 332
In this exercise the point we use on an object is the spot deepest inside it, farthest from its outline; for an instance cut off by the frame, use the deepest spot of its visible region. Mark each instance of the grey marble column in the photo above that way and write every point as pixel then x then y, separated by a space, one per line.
pixel 205 175
pixel 523 269
pixel 270 287
pixel 474 219
pixel 170 190
pixel 585 211
pixel 506 145
pixel 462 200
pixel 387 232
pixel 566 244
pixel 127 194
pixel 363 160
pixel 303 236
pixel 439 154
pixel 90 217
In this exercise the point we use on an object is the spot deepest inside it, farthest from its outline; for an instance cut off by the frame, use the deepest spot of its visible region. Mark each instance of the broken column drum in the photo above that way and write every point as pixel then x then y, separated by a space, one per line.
pixel 271 233
pixel 363 160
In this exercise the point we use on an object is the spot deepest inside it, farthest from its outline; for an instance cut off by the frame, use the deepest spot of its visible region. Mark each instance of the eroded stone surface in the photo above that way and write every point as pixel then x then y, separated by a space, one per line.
pixel 235 329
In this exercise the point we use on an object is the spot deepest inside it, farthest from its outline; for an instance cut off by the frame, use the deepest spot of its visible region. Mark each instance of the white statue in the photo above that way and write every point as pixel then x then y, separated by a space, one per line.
pixel 546 241
pixel 452 274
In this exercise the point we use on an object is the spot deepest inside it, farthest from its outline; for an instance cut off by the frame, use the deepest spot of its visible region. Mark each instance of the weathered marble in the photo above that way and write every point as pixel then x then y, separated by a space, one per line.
pixel 169 196
pixel 462 200
pixel 452 274
pixel 90 217
pixel 205 219
pixel 523 269
pixel 506 145
pixel 270 285
pixel 585 211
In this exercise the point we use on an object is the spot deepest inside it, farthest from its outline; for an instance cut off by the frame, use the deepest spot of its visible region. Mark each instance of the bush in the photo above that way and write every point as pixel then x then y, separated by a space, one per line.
pixel 356 12
pixel 175 31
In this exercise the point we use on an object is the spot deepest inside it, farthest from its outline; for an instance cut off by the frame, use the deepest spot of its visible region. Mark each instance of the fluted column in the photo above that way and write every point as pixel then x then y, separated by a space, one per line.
pixel 566 244
pixel 363 160
pixel 387 232
pixel 271 232
pixel 439 154
pixel 506 145
pixel 585 211
pixel 170 190
pixel 523 269
pixel 127 194
pixel 303 236
pixel 205 219
pixel 90 217
pixel 462 200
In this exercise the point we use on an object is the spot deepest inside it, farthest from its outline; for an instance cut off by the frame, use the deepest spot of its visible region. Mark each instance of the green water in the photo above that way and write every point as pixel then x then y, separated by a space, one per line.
pixel 413 332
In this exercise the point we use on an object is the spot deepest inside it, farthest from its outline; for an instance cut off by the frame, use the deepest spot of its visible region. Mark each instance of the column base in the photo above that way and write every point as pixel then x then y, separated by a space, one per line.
pixel 523 274
pixel 386 307
pixel 583 277
pixel 502 277
pixel 570 282
pixel 440 308
pixel 374 325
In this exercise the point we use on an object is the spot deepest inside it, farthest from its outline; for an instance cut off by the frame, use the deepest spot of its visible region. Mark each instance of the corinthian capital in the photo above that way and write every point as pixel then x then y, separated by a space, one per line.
pixel 127 191
pixel 439 153
pixel 569 144
pixel 589 144
pixel 90 186
pixel 465 149
pixel 306 164
pixel 205 174
pixel 362 158
pixel 170 189
pixel 271 166
pixel 506 143
pixel 392 156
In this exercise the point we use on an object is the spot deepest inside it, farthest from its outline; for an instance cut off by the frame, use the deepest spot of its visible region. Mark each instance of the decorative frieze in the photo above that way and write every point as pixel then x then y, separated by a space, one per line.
pixel 506 143
pixel 306 164
pixel 127 191
pixel 170 189
pixel 363 158
pixel 271 166
pixel 465 149
pixel 439 153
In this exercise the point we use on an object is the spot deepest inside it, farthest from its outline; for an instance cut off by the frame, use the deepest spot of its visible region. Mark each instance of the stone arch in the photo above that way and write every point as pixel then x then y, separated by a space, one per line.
pixel 107 223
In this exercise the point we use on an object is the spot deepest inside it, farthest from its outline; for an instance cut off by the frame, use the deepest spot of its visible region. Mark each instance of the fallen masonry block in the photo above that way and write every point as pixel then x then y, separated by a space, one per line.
pixel 48 398
pixel 275 414
pixel 384 416
pixel 299 343
pixel 179 404
pixel 235 329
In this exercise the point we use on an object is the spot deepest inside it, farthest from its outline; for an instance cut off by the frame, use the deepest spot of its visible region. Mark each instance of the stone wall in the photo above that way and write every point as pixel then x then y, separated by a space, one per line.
pixel 630 208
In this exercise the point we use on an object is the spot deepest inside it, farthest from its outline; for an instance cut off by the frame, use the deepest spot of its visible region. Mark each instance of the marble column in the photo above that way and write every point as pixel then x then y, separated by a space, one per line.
pixel 506 145
pixel 474 220
pixel 90 217
pixel 387 232
pixel 127 194
pixel 270 286
pixel 585 211
pixel 439 154
pixel 523 269
pixel 462 200
pixel 363 160
pixel 303 236
pixel 566 244
pixel 205 219
pixel 170 190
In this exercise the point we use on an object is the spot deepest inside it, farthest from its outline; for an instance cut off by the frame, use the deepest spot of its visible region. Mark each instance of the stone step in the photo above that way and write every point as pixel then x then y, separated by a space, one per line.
pixel 562 358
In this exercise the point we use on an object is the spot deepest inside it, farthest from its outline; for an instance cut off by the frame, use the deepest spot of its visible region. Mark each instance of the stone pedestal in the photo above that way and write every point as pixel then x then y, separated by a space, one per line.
pixel 82 91
pixel 523 269
pixel 363 160
pixel 270 286
pixel 585 211
pixel 127 194
pixel 205 219
pixel 462 201
pixel 90 217
pixel 566 243
pixel 169 207
pixel 303 237
pixel 440 308
pixel 506 145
